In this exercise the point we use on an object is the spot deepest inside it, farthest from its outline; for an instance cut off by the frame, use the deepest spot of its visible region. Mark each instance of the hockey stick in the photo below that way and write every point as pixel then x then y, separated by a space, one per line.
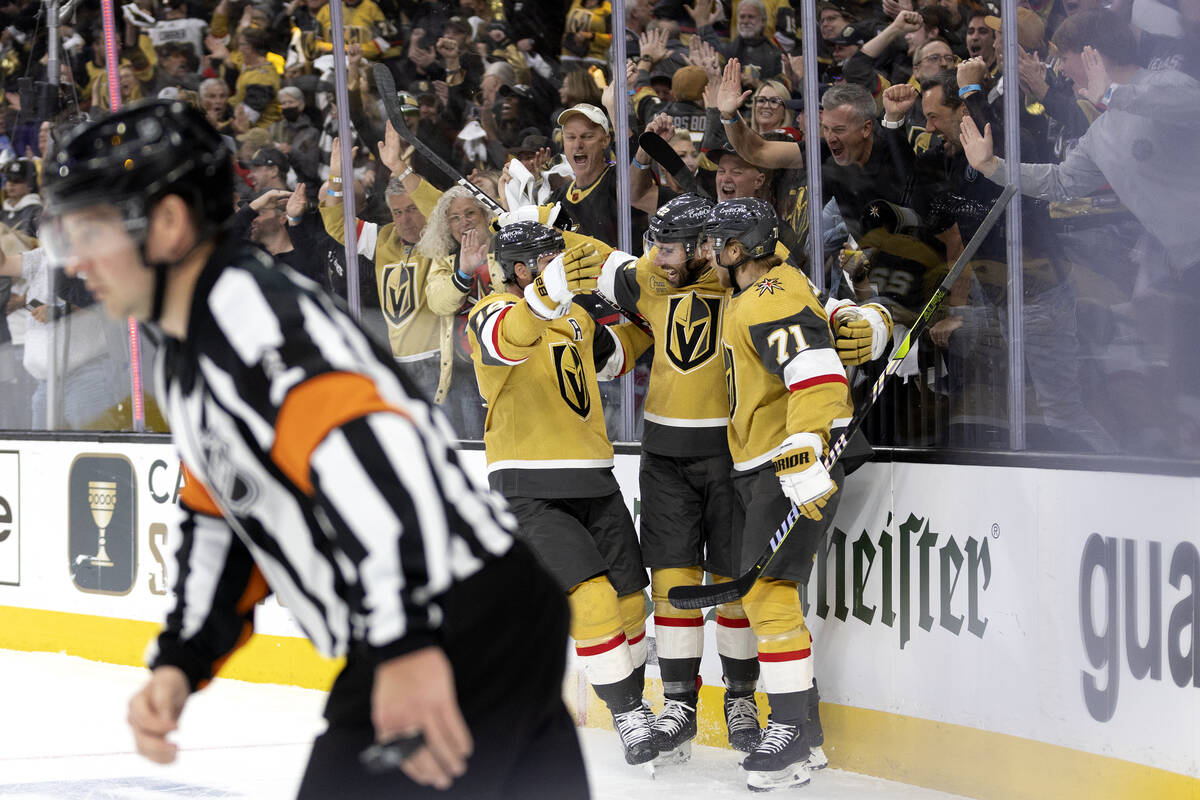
pixel 718 593
pixel 386 85
pixel 660 150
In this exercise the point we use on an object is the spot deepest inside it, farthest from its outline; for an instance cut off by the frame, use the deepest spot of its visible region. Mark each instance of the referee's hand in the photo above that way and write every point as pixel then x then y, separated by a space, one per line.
pixel 154 712
pixel 415 693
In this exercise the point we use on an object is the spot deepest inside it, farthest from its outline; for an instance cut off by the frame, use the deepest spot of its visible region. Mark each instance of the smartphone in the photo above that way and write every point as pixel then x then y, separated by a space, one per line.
pixel 32 304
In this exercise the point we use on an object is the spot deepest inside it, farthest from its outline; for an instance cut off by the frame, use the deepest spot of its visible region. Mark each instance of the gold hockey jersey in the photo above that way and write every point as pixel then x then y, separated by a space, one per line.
pixel 685 411
pixel 782 371
pixel 544 433
pixel 401 275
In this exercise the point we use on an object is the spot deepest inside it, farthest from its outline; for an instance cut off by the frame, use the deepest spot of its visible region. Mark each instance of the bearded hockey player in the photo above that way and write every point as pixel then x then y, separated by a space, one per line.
pixel 687 497
pixel 687 523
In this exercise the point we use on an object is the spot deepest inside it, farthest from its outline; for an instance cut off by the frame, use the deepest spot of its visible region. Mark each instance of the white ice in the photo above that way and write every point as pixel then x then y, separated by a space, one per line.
pixel 63 735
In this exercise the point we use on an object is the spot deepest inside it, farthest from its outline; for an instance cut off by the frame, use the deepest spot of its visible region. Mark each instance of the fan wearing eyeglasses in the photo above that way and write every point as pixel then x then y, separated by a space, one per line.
pixel 767 106
pixel 929 59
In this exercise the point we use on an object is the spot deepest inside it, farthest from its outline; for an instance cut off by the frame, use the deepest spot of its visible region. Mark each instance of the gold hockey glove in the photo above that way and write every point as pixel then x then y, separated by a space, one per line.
pixel 801 474
pixel 582 264
pixel 861 333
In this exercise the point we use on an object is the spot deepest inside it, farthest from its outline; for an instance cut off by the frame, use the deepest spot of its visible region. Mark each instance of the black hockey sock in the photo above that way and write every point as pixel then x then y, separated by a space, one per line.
pixel 624 695
pixel 790 708
pixel 639 677
pixel 741 675
pixel 812 724
pixel 679 678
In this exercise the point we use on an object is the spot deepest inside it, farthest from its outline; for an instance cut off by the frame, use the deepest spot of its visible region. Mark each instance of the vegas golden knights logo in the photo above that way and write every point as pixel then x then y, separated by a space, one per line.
pixel 572 378
pixel 399 293
pixel 693 323
pixel 730 379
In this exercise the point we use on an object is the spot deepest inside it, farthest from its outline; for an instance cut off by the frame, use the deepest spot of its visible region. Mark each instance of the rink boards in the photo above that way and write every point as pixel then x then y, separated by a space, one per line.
pixel 992 632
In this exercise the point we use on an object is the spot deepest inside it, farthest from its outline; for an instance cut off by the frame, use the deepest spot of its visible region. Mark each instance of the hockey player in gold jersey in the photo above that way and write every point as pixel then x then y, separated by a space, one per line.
pixel 788 396
pixel 538 356
pixel 687 526
pixel 687 497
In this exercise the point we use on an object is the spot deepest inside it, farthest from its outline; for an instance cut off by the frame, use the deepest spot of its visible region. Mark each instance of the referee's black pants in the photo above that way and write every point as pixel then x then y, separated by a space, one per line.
pixel 506 637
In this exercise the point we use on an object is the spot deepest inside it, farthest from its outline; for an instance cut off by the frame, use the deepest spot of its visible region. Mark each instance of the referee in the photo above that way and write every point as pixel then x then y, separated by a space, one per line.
pixel 314 470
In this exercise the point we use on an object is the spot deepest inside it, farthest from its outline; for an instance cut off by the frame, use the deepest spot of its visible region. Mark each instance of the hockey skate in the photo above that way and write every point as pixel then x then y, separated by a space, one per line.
pixel 673 731
pixel 634 730
pixel 779 761
pixel 741 720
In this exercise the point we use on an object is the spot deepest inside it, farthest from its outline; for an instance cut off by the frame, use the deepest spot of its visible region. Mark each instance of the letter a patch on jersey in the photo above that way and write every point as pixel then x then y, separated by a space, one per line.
pixel 399 294
pixel 693 328
pixel 572 378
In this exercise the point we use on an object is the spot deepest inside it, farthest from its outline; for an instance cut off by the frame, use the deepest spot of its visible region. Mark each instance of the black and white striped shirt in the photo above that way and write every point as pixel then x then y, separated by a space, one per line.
pixel 317 468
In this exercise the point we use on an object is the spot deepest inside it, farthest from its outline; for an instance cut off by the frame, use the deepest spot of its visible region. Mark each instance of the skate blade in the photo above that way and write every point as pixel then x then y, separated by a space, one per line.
pixel 649 768
pixel 817 759
pixel 680 755
pixel 793 776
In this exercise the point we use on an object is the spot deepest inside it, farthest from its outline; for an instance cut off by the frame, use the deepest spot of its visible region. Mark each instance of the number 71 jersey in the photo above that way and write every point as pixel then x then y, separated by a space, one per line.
pixel 782 372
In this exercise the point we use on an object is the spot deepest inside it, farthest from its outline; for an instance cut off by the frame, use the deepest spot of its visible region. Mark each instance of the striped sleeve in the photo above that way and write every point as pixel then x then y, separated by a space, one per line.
pixel 216 589
pixel 505 330
pixel 398 538
pixel 615 349
pixel 392 522
pixel 366 234
pixel 799 350
pixel 618 282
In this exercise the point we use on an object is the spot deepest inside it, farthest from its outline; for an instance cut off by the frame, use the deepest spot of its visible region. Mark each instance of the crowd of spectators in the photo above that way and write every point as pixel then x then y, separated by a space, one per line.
pixel 518 97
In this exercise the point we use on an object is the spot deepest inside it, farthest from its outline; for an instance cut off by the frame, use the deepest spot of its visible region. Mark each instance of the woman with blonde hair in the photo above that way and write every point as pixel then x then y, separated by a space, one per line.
pixel 457 238
pixel 768 112
pixel 578 87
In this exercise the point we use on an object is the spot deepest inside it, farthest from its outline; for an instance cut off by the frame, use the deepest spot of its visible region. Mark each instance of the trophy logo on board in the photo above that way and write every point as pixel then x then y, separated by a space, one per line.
pixel 102 520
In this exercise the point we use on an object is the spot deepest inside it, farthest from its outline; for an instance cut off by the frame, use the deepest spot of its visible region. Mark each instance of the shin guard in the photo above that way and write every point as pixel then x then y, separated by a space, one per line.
pixel 679 634
pixel 784 646
pixel 600 643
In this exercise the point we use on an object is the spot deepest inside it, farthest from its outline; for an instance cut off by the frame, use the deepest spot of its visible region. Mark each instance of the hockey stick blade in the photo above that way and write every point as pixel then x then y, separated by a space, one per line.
pixel 386 85
pixel 668 159
pixel 715 594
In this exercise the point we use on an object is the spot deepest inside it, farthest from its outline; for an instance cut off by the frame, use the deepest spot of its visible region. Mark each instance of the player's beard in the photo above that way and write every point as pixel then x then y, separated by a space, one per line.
pixel 692 270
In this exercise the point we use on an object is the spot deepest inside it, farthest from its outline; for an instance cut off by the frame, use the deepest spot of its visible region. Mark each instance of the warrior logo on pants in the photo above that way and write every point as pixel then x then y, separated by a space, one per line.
pixel 692 330
pixel 572 379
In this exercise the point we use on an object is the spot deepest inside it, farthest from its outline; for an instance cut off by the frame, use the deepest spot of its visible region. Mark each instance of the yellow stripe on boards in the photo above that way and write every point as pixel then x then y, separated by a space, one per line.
pixel 949 758
pixel 264 659
pixel 937 755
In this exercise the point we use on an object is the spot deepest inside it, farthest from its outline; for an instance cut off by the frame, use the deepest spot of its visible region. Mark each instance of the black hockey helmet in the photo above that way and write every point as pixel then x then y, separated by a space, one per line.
pixel 751 221
pixel 679 220
pixel 130 159
pixel 523 242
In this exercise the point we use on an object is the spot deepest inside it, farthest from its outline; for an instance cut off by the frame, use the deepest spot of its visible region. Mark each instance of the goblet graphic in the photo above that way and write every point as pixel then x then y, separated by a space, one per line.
pixel 102 500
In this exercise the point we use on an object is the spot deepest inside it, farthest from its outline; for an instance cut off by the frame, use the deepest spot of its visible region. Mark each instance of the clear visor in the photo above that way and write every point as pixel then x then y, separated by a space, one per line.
pixel 536 267
pixel 71 238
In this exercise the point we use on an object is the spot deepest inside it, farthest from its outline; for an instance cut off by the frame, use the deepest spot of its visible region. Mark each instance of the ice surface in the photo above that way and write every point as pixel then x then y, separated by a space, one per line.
pixel 64 736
